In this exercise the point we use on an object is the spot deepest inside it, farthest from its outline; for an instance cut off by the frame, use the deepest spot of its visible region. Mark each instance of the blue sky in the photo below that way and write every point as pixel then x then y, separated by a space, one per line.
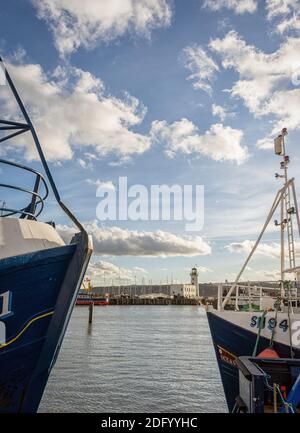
pixel 163 92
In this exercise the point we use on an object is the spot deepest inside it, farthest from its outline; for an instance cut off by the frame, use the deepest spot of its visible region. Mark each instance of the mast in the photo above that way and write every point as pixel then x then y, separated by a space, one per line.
pixel 289 208
pixel 279 147
pixel 286 201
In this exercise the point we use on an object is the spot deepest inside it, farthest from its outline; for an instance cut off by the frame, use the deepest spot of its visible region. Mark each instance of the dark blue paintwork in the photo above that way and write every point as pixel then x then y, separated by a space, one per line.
pixel 35 281
pixel 238 342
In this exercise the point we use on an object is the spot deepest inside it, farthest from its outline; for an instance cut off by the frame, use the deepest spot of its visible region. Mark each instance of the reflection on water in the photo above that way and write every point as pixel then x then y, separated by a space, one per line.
pixel 136 359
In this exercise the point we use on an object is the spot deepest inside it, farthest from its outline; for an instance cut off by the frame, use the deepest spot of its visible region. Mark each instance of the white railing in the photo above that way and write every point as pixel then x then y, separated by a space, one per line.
pixel 254 296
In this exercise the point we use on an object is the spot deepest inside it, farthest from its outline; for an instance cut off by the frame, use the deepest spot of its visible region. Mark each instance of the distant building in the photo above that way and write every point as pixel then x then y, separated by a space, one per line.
pixel 190 290
pixel 134 290
pixel 185 290
pixel 152 290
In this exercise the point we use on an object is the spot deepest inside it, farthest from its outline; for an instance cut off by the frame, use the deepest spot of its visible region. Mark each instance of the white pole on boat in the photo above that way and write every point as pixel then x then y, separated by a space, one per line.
pixel 282 224
pixel 220 292
pixel 287 202
pixel 282 267
pixel 260 298
pixel 237 298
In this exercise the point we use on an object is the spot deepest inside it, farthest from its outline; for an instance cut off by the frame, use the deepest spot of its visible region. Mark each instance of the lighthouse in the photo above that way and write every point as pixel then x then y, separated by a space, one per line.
pixel 194 279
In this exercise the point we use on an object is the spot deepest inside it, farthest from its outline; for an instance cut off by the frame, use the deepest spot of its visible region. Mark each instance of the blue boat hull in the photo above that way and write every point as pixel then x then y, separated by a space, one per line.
pixel 32 283
pixel 231 341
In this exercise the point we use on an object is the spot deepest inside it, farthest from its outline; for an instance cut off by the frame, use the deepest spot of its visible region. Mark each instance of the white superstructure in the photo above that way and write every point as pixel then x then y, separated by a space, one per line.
pixel 22 236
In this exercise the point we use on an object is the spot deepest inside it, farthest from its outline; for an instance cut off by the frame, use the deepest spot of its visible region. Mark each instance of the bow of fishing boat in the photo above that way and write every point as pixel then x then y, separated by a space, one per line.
pixel 40 276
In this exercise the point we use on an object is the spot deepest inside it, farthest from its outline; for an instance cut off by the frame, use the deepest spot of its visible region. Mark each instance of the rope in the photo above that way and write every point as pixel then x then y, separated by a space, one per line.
pixel 261 323
pixel 277 306
pixel 288 406
pixel 235 409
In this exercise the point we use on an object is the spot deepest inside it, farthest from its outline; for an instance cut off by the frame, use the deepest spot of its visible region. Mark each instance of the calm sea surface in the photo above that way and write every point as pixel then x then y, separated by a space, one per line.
pixel 136 359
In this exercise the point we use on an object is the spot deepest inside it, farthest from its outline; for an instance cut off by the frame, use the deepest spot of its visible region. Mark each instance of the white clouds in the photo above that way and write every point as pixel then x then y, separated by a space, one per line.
pixel 238 6
pixel 259 73
pixel 271 250
pixel 285 13
pixel 86 165
pixel 71 110
pixel 261 274
pixel 273 274
pixel 105 184
pixel 203 269
pixel 115 241
pixel 285 106
pixel 109 271
pixel 202 66
pixel 84 23
pixel 82 163
pixel 277 8
pixel 221 143
pixel 264 78
pixel 221 112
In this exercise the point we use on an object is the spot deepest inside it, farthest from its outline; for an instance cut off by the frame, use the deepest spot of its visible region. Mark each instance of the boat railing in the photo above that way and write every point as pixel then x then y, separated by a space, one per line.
pixel 14 129
pixel 255 296
pixel 36 200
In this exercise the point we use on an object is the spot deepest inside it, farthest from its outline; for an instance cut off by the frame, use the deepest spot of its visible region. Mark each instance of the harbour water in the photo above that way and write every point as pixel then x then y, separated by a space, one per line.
pixel 136 359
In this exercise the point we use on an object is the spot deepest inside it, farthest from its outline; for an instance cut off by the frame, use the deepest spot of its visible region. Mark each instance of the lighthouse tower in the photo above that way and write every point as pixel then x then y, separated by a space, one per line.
pixel 194 279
